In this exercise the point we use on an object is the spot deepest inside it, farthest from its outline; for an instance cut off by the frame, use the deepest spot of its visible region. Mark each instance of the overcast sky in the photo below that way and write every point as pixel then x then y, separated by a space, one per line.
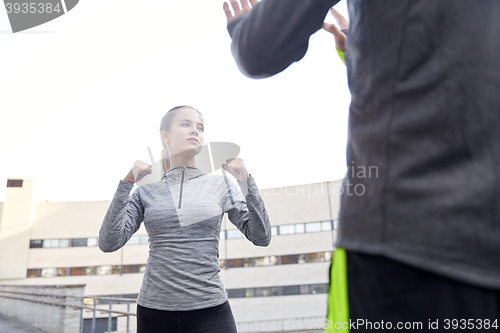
pixel 81 98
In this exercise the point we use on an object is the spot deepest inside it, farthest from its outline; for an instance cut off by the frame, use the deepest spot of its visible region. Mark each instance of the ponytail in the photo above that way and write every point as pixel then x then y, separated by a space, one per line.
pixel 165 159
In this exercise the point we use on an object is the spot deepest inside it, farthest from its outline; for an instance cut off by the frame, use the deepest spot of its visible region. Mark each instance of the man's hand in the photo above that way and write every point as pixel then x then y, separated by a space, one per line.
pixel 340 37
pixel 238 11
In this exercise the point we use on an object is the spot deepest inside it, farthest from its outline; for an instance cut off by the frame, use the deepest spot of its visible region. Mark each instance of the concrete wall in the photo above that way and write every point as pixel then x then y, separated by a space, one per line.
pixel 68 219
pixel 287 205
pixel 15 227
pixel 280 313
pixel 280 245
pixel 50 318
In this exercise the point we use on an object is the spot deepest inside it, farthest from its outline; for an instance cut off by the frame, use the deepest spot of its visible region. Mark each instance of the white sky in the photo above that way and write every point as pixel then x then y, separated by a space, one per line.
pixel 81 98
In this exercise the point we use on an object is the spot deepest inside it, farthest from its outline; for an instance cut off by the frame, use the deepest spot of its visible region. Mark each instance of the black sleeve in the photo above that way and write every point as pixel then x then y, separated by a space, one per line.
pixel 275 34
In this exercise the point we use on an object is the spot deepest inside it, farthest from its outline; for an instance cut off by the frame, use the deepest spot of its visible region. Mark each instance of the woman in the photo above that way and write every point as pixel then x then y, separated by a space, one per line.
pixel 181 289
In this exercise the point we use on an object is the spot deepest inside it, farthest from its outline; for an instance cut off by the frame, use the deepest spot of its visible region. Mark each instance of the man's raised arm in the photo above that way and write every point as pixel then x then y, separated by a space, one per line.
pixel 272 34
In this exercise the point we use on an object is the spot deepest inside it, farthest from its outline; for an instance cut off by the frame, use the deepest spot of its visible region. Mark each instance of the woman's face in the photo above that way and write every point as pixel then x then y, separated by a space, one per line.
pixel 186 132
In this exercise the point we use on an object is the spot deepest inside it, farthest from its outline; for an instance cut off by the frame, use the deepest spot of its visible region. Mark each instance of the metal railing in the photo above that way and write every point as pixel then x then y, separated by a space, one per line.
pixel 84 300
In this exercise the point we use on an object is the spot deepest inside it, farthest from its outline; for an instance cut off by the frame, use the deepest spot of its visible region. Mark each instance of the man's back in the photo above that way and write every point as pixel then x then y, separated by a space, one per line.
pixel 425 114
pixel 424 139
pixel 419 231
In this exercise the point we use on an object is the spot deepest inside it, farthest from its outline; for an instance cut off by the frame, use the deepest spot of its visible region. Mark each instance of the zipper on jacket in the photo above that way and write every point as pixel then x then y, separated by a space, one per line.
pixel 182 181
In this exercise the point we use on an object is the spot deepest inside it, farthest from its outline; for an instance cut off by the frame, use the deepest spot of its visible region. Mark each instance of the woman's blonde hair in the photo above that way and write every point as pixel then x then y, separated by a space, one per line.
pixel 166 123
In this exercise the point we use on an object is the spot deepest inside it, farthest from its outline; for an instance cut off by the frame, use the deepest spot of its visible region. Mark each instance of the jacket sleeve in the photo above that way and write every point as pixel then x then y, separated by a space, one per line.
pixel 248 212
pixel 123 218
pixel 275 34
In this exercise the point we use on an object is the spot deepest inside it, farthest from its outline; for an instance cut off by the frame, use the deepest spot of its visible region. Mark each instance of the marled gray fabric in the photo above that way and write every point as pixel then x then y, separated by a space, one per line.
pixel 424 124
pixel 182 214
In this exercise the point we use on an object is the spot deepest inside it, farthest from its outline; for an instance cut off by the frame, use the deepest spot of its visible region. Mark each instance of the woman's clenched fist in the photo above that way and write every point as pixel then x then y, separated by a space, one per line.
pixel 139 170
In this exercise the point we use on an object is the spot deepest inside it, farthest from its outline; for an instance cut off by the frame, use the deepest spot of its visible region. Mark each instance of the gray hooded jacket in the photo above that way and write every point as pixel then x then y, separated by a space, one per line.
pixel 182 214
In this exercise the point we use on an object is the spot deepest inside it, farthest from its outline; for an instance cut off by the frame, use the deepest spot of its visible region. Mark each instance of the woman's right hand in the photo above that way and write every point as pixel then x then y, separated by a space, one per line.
pixel 139 170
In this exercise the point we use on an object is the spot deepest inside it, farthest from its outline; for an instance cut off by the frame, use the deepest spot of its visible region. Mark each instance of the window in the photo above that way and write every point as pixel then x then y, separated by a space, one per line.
pixel 90 270
pixel 273 260
pixel 88 301
pixel 313 227
pixel 223 234
pixel 131 269
pixel 115 269
pixel 290 259
pixel 275 291
pixel 234 234
pixel 144 239
pixel 302 258
pixel 62 271
pixel 261 261
pixel 34 273
pixel 36 243
pixel 79 242
pixel 319 288
pixel 236 263
pixel 103 270
pixel 233 293
pixel 248 262
pixel 291 290
pixel 317 257
pixel 14 183
pixel 299 228
pixel 142 268
pixel 287 229
pixel 261 292
pixel 51 243
pixel 327 225
pixel 249 292
pixel 64 243
pixel 304 289
pixel 92 241
pixel 101 324
pixel 328 256
pixel 77 271
pixel 274 231
pixel 222 263
pixel 49 272
pixel 335 224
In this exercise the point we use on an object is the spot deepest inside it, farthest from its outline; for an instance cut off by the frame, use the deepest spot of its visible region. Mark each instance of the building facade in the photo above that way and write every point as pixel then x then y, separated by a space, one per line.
pixel 281 287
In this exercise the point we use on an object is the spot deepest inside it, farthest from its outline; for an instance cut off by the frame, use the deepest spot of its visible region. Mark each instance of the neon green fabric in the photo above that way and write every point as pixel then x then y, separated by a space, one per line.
pixel 338 302
pixel 341 55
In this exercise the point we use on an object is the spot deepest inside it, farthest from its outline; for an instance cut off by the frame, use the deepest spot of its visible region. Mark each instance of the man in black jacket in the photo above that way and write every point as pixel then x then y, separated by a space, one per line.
pixel 423 240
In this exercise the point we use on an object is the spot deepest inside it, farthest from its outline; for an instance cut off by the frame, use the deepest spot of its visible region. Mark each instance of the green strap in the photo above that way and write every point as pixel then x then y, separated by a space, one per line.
pixel 338 303
pixel 341 55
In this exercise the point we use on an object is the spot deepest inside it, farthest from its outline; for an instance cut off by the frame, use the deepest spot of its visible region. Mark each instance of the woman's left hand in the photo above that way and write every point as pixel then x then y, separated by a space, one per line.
pixel 237 168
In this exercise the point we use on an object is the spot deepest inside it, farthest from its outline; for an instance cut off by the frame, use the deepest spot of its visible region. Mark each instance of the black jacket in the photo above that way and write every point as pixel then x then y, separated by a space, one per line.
pixel 424 119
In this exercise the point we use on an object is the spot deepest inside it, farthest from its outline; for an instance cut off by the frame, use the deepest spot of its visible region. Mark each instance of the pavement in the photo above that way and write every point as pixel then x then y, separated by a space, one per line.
pixel 14 325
